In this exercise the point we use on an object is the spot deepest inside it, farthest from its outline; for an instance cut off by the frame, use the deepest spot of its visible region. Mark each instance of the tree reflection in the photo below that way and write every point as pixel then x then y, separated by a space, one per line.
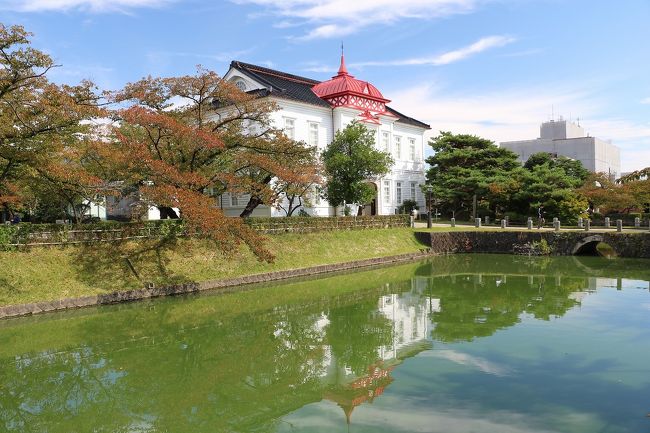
pixel 475 305
pixel 235 364
pixel 355 334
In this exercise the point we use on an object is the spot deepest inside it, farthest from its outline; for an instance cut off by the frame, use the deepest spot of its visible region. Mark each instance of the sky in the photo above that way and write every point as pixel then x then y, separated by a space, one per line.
pixel 494 68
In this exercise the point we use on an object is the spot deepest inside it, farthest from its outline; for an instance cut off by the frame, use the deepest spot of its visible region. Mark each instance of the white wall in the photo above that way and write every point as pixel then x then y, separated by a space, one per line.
pixel 595 155
pixel 405 169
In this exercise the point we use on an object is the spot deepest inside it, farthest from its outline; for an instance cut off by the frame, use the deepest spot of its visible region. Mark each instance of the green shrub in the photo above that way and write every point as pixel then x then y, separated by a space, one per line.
pixel 407 207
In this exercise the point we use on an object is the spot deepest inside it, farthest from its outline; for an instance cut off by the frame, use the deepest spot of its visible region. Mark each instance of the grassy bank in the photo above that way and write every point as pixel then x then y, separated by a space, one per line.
pixel 42 274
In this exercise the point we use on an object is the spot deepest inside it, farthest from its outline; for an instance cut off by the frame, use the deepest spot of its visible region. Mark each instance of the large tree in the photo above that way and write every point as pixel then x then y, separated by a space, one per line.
pixel 607 196
pixel 41 124
pixel 466 165
pixel 552 182
pixel 350 162
pixel 182 137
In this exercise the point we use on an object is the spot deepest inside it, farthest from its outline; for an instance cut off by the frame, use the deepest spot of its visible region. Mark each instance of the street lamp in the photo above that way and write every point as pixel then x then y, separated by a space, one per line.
pixel 429 188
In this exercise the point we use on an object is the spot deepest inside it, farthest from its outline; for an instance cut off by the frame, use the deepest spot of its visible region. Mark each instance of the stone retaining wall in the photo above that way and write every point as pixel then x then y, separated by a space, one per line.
pixel 153 292
pixel 636 245
pixel 505 242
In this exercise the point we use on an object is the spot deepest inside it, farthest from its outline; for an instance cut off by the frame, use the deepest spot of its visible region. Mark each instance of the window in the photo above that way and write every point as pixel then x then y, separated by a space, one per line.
pixel 313 134
pixel 387 191
pixel 385 142
pixel 414 186
pixel 398 192
pixel 240 85
pixel 398 147
pixel 290 127
pixel 233 200
pixel 412 148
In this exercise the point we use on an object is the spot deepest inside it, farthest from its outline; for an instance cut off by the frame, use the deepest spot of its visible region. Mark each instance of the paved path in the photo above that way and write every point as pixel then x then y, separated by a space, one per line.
pixel 423 225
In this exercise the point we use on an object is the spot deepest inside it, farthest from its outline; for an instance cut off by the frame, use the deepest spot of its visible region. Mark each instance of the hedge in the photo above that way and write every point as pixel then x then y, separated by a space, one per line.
pixel 312 224
pixel 27 234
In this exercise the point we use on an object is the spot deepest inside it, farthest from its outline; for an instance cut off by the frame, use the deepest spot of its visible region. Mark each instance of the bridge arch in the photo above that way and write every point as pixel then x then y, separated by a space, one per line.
pixel 588 245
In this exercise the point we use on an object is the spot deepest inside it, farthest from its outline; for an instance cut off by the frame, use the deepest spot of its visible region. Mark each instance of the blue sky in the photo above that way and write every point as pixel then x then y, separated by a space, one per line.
pixel 495 68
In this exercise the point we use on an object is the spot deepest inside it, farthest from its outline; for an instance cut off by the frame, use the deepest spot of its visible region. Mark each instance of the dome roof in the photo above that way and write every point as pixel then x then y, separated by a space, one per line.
pixel 345 84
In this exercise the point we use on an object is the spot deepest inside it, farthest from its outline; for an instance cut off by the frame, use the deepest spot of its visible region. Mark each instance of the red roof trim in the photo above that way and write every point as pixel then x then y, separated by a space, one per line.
pixel 350 92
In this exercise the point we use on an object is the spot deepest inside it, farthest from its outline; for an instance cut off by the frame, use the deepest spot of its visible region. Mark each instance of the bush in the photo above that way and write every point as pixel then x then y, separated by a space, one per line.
pixel 12 236
pixel 301 224
pixel 35 234
pixel 407 207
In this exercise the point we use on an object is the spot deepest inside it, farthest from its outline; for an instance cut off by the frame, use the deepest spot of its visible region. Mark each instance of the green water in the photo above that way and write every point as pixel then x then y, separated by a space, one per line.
pixel 468 343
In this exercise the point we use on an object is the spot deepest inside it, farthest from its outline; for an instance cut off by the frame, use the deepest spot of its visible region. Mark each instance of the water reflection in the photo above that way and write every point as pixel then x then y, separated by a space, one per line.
pixel 254 361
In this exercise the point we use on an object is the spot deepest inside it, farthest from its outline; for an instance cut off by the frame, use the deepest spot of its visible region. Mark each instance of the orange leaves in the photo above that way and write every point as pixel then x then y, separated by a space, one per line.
pixel 43 126
pixel 173 145
pixel 204 219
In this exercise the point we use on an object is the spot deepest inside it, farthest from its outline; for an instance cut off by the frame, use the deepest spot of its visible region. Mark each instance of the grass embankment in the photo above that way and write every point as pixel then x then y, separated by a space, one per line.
pixel 41 274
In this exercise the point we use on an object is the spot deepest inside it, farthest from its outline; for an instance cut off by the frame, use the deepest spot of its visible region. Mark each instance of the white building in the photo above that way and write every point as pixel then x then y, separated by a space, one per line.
pixel 564 138
pixel 312 111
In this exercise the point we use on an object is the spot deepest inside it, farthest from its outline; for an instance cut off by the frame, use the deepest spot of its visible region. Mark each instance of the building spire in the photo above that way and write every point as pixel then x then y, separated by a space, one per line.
pixel 342 69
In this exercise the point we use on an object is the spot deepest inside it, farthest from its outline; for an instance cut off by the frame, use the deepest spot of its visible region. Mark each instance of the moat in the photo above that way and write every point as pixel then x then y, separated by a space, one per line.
pixel 488 343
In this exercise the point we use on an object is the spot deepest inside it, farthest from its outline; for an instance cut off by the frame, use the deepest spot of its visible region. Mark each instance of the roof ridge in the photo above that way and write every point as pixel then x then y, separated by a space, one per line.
pixel 275 72
pixel 402 115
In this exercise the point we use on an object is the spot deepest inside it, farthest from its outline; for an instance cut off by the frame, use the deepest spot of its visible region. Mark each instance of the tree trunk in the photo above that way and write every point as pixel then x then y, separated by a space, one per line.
pixel 253 202
pixel 167 212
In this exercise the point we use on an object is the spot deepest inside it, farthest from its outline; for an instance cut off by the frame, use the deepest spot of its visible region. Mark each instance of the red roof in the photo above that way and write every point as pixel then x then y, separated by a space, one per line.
pixel 345 84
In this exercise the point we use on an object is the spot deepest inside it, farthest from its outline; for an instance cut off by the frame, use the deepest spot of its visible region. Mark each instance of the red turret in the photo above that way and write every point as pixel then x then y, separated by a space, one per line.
pixel 342 69
pixel 343 90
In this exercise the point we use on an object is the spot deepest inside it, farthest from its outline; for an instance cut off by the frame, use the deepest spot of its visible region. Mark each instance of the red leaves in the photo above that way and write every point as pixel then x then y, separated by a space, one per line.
pixel 174 145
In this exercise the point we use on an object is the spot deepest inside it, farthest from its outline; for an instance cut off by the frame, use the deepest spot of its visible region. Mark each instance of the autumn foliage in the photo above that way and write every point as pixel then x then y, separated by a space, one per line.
pixel 185 140
pixel 42 133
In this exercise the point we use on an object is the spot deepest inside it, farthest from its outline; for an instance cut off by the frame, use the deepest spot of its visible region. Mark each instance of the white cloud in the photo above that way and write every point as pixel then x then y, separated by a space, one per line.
pixel 645 101
pixel 465 359
pixel 479 46
pixel 84 5
pixel 516 113
pixel 336 18
pixel 398 413
pixel 327 31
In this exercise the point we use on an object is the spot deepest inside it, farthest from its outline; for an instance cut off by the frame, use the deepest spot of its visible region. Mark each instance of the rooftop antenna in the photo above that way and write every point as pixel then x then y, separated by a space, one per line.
pixel 552 112
pixel 578 120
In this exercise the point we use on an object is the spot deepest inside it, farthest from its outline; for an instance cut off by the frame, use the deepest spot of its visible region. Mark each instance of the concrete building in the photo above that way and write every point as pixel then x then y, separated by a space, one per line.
pixel 565 138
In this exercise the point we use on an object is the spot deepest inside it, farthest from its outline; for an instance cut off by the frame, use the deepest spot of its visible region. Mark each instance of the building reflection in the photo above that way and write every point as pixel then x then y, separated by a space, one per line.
pixel 181 367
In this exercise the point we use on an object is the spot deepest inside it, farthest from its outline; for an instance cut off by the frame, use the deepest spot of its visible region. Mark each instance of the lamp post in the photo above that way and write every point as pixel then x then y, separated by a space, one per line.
pixel 429 189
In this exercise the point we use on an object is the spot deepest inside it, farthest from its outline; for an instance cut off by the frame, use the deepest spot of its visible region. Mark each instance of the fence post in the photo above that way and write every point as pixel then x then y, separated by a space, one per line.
pixel 477 222
pixel 619 225
pixel 556 224
pixel 503 224
pixel 637 222
pixel 453 222
pixel 487 220
pixel 529 223
pixel 606 222
pixel 587 225
pixel 580 223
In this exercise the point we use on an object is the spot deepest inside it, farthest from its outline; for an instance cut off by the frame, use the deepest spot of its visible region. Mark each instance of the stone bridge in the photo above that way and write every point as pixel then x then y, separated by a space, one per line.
pixel 560 243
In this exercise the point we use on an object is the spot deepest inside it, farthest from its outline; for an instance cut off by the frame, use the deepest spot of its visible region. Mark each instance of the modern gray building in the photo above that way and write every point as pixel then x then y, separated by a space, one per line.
pixel 565 138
